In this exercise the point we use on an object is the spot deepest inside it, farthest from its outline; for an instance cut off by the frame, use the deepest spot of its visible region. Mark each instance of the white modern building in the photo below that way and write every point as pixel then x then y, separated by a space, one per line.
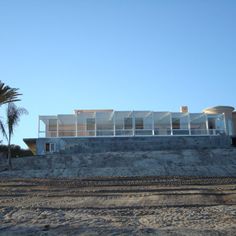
pixel 213 121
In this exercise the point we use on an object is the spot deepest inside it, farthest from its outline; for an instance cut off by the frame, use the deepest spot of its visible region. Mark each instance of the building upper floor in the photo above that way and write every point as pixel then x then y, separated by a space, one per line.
pixel 220 120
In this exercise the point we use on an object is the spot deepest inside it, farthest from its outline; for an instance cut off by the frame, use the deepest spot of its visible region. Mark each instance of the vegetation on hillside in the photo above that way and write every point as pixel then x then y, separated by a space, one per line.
pixel 16 151
pixel 8 96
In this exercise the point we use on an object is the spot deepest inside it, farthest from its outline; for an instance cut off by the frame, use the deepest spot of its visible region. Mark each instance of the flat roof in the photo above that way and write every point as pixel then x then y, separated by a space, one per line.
pixel 92 110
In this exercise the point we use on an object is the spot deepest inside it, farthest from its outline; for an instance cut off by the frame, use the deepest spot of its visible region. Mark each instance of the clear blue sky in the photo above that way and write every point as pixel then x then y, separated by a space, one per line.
pixel 120 54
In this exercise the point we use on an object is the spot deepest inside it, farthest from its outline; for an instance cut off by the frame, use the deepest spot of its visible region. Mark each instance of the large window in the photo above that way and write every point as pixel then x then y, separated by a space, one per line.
pixel 175 123
pixel 198 124
pixel 162 123
pixel 52 125
pixel 138 123
pixel 211 123
pixel 90 124
pixel 52 128
pixel 128 123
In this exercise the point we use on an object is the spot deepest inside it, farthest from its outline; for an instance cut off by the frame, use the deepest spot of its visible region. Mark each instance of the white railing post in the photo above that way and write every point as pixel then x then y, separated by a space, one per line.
pixel 114 123
pixel 225 125
pixel 171 126
pixel 153 133
pixel 39 127
pixel 76 125
pixel 95 134
pixel 189 124
pixel 133 123
pixel 207 125
pixel 57 128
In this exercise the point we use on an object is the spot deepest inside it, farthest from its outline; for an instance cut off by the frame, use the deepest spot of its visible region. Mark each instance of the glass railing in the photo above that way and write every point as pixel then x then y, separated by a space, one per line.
pixel 199 132
pixel 216 132
pixel 84 133
pixel 180 131
pixel 124 132
pixel 105 132
pixel 67 133
pixel 130 132
pixel 143 132
pixel 162 131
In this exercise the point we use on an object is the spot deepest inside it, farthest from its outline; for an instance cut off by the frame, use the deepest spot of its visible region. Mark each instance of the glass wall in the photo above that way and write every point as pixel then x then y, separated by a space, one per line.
pixel 180 123
pixel 130 123
pixel 162 124
pixel 66 125
pixel 198 122
pixel 47 126
pixel 142 122
pixel 86 125
pixel 123 122
pixel 52 128
pixel 216 124
pixel 104 124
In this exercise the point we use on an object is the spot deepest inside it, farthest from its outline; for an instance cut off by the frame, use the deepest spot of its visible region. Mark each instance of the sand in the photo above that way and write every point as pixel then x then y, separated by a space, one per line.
pixel 118 206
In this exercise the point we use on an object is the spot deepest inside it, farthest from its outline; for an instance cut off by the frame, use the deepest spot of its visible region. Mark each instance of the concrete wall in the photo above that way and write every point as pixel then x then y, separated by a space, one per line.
pixel 122 144
pixel 187 162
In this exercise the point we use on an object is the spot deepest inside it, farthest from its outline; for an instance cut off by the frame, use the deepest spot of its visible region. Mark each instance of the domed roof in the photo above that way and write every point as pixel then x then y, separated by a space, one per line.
pixel 219 108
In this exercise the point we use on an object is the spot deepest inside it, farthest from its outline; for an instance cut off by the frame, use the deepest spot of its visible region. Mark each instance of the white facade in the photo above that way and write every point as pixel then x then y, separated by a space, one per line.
pixel 86 123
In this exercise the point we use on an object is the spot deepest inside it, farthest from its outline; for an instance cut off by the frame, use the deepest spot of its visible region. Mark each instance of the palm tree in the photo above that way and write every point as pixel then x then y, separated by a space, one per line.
pixel 13 118
pixel 8 94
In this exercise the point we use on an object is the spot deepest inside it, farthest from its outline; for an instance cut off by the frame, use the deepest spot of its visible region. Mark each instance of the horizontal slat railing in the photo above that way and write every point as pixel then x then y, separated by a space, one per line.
pixel 130 132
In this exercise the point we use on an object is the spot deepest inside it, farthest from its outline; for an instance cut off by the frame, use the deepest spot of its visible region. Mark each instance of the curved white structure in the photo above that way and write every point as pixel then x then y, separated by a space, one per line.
pixel 228 113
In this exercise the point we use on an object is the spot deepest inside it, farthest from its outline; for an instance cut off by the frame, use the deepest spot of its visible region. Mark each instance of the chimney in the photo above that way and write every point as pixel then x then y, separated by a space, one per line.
pixel 184 109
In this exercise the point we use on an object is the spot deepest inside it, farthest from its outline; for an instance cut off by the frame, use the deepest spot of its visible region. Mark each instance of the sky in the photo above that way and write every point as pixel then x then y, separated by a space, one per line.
pixel 116 54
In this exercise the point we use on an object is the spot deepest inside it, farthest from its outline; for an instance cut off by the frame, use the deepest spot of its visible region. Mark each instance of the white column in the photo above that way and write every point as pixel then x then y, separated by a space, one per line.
pixel 189 124
pixel 76 125
pixel 207 126
pixel 114 124
pixel 153 133
pixel 57 128
pixel 171 127
pixel 133 123
pixel 38 127
pixel 225 125
pixel 95 124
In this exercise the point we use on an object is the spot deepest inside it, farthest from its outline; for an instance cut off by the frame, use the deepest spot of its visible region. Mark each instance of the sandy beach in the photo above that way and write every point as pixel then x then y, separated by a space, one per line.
pixel 118 206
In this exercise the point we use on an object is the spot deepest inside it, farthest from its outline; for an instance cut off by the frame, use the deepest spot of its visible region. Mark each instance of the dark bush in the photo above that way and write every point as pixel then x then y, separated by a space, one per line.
pixel 16 151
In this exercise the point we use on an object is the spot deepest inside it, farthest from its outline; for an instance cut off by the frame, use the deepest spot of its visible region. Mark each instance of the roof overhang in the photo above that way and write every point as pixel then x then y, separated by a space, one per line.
pixel 31 143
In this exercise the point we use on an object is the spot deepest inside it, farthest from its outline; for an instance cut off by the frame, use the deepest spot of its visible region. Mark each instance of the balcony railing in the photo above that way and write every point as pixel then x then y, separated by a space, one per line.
pixel 180 131
pixel 216 132
pixel 130 132
pixel 199 132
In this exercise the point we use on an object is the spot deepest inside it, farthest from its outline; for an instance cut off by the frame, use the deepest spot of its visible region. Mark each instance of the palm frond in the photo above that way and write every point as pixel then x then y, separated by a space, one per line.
pixel 3 131
pixel 13 116
pixel 8 94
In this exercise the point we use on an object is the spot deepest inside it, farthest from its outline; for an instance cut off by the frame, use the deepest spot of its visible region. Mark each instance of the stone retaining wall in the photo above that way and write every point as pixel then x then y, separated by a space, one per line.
pixel 187 162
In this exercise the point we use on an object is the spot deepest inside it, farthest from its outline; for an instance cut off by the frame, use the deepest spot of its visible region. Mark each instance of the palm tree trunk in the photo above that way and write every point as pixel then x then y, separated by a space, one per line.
pixel 9 154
